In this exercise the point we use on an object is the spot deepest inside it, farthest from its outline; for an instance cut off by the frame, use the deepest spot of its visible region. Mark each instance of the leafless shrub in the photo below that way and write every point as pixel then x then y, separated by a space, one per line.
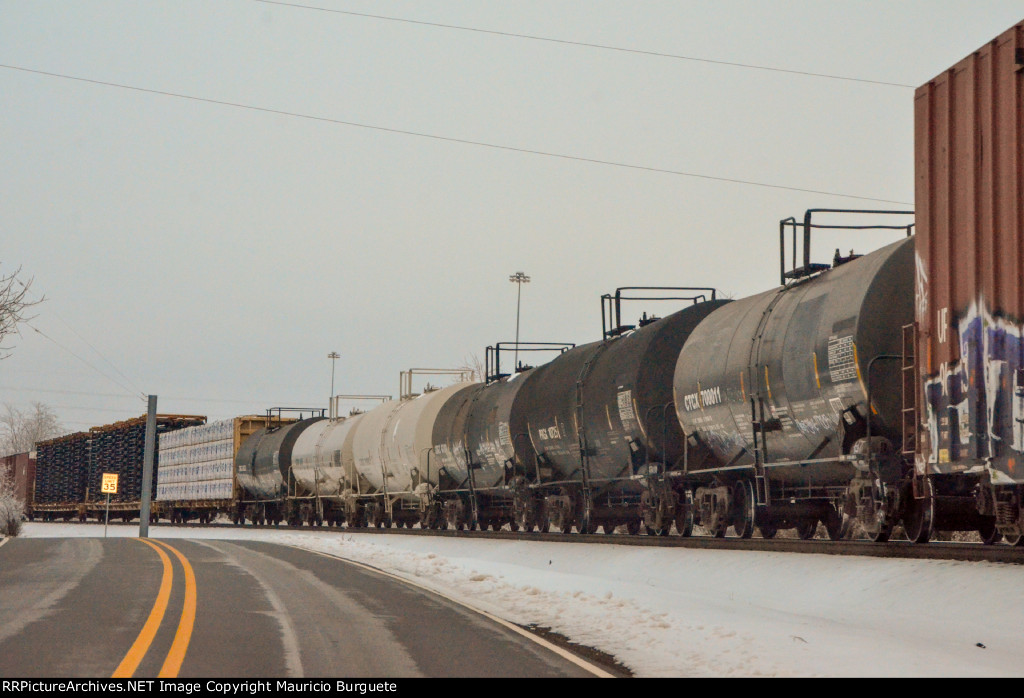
pixel 473 366
pixel 12 509
pixel 21 430
pixel 14 303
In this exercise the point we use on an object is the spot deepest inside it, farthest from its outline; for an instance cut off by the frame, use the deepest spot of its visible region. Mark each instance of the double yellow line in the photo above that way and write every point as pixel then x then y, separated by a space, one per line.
pixel 176 655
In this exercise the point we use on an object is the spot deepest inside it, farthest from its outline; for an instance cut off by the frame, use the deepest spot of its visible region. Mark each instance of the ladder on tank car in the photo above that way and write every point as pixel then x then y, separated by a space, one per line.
pixel 910 412
pixel 581 437
pixel 759 425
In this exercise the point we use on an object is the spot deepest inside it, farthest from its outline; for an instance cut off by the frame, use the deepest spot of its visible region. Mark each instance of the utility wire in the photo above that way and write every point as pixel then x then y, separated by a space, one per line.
pixel 585 44
pixel 162 397
pixel 449 139
pixel 87 342
pixel 111 379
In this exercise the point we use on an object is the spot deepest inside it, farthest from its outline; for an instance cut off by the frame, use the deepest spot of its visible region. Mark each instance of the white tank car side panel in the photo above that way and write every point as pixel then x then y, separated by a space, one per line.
pixel 413 437
pixel 368 442
pixel 319 458
pixel 395 439
pixel 343 441
pixel 304 460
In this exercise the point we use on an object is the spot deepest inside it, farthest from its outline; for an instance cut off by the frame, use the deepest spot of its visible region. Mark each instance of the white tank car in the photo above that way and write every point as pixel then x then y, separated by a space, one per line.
pixel 392 442
pixel 322 458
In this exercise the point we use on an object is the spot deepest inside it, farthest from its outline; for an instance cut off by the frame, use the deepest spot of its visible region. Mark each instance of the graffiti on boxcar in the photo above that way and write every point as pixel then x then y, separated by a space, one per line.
pixel 975 408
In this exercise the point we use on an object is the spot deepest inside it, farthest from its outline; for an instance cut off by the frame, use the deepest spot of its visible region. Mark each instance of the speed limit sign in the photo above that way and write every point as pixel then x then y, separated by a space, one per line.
pixel 109 484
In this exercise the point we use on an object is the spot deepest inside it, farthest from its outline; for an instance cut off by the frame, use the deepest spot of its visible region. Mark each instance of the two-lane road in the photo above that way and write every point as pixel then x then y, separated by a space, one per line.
pixel 91 607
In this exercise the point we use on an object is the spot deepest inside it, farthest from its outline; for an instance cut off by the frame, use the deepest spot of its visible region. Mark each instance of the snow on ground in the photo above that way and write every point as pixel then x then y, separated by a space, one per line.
pixel 678 612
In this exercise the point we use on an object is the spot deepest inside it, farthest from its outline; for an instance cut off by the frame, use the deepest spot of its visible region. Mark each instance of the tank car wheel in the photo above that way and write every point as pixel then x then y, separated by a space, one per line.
pixel 1016 540
pixel 838 523
pixel 768 531
pixel 744 502
pixel 990 535
pixel 806 529
pixel 919 519
pixel 684 515
pixel 556 522
pixel 882 534
pixel 633 527
pixel 586 525
pixel 880 523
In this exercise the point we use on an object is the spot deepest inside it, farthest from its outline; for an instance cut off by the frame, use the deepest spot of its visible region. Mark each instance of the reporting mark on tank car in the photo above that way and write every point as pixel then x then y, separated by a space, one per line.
pixel 702 398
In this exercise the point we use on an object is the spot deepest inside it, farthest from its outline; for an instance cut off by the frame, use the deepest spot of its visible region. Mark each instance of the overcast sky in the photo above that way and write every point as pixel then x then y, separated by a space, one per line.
pixel 213 254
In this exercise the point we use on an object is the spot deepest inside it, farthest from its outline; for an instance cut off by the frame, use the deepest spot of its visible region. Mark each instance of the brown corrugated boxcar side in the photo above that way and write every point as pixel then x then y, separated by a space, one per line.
pixel 969 135
pixel 21 468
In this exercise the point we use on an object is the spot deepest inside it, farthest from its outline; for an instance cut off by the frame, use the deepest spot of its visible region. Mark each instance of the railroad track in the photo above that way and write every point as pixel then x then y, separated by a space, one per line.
pixel 935 550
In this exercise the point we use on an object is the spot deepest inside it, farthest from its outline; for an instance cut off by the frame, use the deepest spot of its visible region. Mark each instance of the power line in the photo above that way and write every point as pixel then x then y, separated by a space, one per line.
pixel 162 397
pixel 112 380
pixel 605 47
pixel 450 139
pixel 74 408
pixel 65 392
pixel 87 343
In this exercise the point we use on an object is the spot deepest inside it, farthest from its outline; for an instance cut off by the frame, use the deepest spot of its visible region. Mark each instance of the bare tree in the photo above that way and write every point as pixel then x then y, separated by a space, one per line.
pixel 21 430
pixel 11 508
pixel 14 302
pixel 474 366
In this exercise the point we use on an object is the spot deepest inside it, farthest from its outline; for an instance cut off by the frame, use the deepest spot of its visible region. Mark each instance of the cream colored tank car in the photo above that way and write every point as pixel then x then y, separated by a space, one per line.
pixel 392 442
pixel 322 459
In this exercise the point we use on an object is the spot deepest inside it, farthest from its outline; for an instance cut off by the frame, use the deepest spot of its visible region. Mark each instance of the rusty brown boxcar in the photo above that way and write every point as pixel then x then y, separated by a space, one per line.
pixel 21 469
pixel 968 415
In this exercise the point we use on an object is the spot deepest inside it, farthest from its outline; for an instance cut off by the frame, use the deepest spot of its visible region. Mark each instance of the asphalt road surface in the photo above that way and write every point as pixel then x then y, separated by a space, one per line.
pixel 94 607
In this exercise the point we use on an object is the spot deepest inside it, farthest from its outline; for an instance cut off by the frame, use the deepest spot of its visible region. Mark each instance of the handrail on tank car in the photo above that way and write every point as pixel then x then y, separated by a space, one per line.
pixel 808 267
pixel 279 413
pixel 492 356
pixel 405 378
pixel 336 399
pixel 614 304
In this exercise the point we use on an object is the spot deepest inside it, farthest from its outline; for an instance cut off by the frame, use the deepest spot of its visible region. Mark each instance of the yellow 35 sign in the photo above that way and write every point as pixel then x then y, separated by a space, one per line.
pixel 109 484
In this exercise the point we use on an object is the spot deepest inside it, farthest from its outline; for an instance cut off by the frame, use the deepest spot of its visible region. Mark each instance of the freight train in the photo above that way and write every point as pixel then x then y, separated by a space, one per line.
pixel 752 414
pixel 885 389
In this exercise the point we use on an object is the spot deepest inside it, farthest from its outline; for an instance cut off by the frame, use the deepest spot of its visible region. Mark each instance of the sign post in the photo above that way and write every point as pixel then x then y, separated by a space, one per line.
pixel 108 487
pixel 149 456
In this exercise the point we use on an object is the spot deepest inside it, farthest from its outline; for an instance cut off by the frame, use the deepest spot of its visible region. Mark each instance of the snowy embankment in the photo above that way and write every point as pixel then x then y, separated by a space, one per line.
pixel 678 612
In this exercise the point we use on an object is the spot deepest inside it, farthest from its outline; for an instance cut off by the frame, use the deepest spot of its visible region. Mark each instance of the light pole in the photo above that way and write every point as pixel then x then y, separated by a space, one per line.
pixel 519 278
pixel 333 356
